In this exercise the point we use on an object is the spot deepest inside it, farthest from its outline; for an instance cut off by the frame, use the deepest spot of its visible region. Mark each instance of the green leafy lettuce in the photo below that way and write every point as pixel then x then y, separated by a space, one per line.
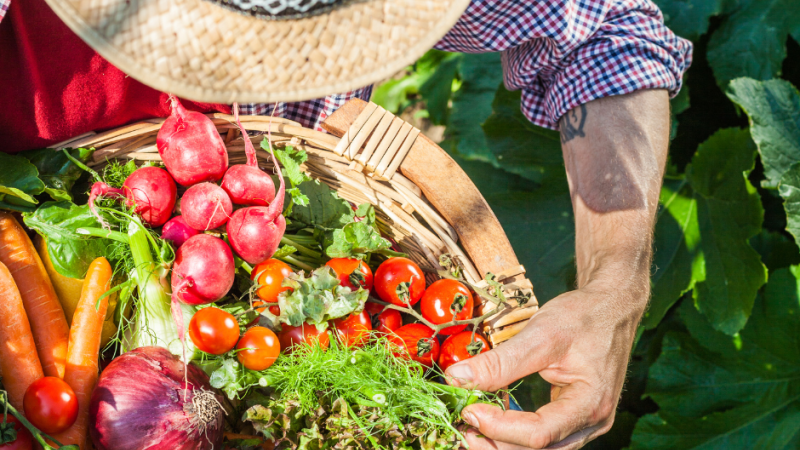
pixel 70 252
pixel 317 299
pixel 358 238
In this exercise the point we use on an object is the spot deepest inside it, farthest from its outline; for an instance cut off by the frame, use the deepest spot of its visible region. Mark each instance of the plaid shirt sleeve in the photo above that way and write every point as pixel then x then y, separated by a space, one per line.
pixel 4 4
pixel 564 53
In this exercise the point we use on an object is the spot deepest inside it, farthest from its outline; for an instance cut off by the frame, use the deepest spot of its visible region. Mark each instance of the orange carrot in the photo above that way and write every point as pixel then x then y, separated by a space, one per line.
pixel 19 362
pixel 48 323
pixel 84 348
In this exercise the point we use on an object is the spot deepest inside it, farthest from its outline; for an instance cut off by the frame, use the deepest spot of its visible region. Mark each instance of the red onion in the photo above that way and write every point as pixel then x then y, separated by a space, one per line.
pixel 140 403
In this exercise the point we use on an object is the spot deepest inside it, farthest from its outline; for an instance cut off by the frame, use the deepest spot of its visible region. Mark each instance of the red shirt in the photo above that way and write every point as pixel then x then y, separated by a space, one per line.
pixel 53 86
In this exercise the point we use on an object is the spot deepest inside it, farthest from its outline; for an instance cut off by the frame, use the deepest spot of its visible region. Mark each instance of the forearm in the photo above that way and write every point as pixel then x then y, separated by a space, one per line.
pixel 615 150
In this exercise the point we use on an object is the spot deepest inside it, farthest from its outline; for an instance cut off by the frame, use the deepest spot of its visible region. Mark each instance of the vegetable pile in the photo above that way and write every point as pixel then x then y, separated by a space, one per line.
pixel 305 325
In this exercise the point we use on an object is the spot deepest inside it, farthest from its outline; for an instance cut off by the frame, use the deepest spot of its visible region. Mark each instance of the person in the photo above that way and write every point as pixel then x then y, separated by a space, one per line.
pixel 600 71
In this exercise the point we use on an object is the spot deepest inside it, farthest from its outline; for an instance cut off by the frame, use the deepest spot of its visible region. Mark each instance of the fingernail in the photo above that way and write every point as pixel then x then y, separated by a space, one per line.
pixel 460 374
pixel 470 419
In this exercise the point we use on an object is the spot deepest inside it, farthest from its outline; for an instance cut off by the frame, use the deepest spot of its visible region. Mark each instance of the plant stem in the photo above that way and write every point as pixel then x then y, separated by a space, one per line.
pixel 302 249
pixel 106 234
pixel 475 321
pixel 288 259
pixel 82 166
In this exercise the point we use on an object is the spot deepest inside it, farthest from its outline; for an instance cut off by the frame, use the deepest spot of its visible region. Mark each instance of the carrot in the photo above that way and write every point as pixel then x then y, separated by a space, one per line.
pixel 84 347
pixel 48 323
pixel 19 362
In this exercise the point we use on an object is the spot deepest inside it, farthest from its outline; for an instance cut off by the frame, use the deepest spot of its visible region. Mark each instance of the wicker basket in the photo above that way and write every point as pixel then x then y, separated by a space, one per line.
pixel 423 200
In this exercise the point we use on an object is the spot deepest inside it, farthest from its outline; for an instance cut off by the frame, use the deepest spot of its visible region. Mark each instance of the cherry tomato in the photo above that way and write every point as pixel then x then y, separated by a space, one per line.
pixel 354 329
pixel 50 405
pixel 261 348
pixel 352 272
pixel 270 274
pixel 395 273
pixel 24 439
pixel 373 308
pixel 458 347
pixel 214 331
pixel 305 333
pixel 418 341
pixel 389 321
pixel 445 301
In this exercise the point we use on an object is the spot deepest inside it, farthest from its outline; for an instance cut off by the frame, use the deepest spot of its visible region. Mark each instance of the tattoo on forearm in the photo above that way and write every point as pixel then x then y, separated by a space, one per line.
pixel 572 124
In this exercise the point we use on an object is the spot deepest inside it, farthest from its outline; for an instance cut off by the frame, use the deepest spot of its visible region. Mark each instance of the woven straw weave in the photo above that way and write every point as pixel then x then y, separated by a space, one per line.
pixel 201 51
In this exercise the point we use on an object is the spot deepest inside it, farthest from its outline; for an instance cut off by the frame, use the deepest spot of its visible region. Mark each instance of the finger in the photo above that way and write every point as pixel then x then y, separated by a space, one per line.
pixel 478 441
pixel 571 413
pixel 521 355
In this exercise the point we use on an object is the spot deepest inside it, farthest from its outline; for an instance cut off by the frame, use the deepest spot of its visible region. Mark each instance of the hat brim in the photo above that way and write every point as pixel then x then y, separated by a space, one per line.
pixel 203 52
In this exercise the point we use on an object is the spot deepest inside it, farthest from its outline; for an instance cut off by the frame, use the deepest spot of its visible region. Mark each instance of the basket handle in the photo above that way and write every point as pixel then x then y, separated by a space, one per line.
pixel 450 191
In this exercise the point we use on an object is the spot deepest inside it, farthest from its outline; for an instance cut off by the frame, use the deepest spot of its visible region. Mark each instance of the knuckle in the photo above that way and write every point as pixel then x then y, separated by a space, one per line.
pixel 604 411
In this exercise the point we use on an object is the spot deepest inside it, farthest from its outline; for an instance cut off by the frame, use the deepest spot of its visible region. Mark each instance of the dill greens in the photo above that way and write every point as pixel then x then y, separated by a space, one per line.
pixel 383 397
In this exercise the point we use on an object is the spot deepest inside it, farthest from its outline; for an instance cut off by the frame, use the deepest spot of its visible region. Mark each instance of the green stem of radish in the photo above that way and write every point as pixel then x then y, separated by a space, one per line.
pixel 82 166
pixel 300 248
pixel 40 437
pixel 289 260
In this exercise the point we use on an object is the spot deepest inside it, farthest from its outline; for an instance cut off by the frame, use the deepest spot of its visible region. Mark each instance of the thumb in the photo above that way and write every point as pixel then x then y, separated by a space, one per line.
pixel 521 355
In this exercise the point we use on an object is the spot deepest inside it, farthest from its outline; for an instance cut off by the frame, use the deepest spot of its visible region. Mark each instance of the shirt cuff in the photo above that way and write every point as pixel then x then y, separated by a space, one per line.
pixel 628 53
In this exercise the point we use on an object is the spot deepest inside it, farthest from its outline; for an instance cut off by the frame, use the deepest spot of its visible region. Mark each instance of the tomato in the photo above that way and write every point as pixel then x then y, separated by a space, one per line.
pixel 418 341
pixel 458 348
pixel 354 329
pixel 50 405
pixel 305 333
pixel 275 310
pixel 262 348
pixel 352 272
pixel 24 439
pixel 445 301
pixel 389 321
pixel 213 330
pixel 270 274
pixel 373 308
pixel 399 274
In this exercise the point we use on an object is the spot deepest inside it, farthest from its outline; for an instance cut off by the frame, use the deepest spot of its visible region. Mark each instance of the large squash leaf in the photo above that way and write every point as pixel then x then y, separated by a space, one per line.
pixel 689 18
pixel 702 233
pixel 19 183
pixel 752 41
pixel 774 111
pixel 718 392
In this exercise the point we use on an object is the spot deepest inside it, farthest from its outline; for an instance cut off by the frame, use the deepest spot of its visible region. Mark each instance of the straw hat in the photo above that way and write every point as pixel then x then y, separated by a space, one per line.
pixel 259 50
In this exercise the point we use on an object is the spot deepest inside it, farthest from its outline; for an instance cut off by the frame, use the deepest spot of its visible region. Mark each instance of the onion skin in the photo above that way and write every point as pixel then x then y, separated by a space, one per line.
pixel 139 404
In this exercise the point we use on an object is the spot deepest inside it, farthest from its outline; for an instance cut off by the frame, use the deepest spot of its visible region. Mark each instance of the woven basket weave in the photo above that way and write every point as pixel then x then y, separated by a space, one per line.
pixel 362 166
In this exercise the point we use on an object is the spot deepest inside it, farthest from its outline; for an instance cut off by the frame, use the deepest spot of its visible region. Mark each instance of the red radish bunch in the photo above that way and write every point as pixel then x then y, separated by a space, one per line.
pixel 191 147
pixel 203 271
pixel 246 184
pixel 177 231
pixel 205 206
pixel 149 190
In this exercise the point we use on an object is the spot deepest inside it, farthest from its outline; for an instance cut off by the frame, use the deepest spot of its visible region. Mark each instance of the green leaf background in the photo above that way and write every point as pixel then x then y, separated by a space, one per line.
pixel 717 362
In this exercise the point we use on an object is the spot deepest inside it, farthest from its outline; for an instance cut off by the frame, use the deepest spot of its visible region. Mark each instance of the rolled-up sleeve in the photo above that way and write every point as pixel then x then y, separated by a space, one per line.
pixel 563 53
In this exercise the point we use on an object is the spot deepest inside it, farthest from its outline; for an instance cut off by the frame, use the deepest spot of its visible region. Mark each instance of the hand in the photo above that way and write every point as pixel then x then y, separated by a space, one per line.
pixel 580 343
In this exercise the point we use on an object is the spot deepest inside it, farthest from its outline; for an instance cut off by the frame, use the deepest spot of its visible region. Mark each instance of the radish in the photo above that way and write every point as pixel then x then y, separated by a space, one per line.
pixel 246 184
pixel 191 147
pixel 256 231
pixel 149 190
pixel 203 271
pixel 205 206
pixel 177 231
